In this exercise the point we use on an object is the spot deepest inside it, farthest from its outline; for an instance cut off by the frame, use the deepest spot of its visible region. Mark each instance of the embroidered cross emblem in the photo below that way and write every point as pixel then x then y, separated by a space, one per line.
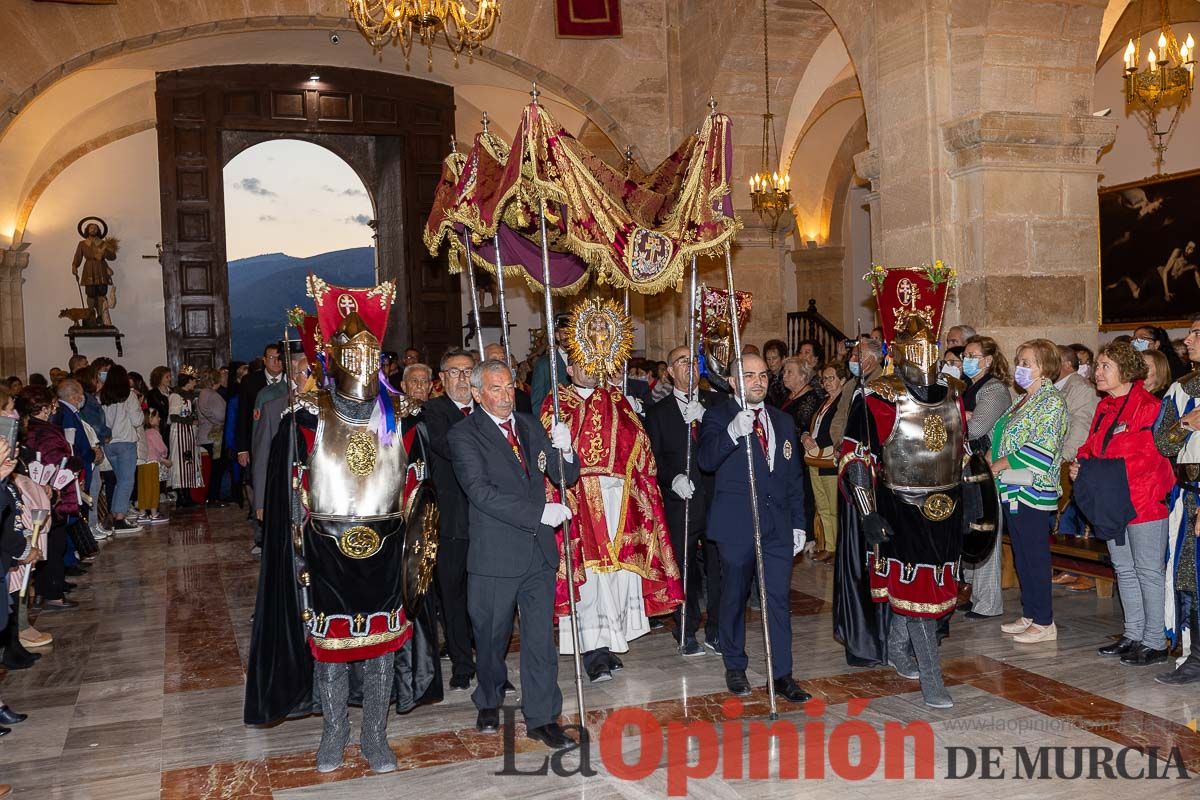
pixel 347 304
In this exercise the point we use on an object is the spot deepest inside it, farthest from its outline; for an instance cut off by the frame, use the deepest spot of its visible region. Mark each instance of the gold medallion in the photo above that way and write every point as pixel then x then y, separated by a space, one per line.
pixel 359 542
pixel 360 454
pixel 937 507
pixel 542 461
pixel 935 433
pixel 787 450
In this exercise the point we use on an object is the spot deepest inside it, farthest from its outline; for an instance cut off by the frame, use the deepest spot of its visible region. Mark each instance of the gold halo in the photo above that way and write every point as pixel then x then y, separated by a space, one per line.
pixel 601 337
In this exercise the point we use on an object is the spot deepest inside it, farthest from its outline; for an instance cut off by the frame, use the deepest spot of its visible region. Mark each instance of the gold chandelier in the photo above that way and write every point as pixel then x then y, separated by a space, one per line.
pixel 1166 80
pixel 770 194
pixel 465 24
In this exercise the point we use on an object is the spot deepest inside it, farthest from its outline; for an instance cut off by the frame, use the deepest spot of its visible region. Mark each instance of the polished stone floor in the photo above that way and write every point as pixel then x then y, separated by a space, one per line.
pixel 140 696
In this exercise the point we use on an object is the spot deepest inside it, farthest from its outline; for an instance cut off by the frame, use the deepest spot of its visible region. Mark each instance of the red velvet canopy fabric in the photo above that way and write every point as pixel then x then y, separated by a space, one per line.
pixel 587 19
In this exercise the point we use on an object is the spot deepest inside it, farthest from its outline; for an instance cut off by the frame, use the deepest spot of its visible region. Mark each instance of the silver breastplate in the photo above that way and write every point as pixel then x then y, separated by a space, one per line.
pixel 350 475
pixel 924 451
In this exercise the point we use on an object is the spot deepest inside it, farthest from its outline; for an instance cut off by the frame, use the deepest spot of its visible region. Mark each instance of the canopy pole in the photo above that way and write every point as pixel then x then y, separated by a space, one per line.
pixel 687 458
pixel 474 294
pixel 568 558
pixel 625 366
pixel 754 514
pixel 500 295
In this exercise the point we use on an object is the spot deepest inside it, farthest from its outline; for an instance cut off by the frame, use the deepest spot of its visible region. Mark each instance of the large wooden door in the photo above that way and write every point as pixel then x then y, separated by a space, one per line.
pixel 409 124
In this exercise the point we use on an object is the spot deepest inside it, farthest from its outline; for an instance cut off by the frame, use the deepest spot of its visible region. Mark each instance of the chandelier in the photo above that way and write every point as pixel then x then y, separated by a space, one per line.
pixel 1164 82
pixel 464 24
pixel 770 195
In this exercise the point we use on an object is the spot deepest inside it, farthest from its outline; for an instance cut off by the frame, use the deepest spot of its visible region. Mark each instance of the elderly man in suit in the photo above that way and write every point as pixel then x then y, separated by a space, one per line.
pixel 442 413
pixel 779 484
pixel 671 423
pixel 501 459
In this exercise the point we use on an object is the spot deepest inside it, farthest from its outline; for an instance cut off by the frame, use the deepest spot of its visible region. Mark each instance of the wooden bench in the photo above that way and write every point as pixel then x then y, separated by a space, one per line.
pixel 1072 554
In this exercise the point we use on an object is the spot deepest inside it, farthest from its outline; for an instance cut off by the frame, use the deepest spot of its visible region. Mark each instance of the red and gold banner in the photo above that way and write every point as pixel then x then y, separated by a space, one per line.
pixel 587 19
pixel 629 233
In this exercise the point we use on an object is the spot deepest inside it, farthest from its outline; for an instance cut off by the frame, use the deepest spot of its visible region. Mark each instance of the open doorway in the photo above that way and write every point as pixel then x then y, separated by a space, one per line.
pixel 291 207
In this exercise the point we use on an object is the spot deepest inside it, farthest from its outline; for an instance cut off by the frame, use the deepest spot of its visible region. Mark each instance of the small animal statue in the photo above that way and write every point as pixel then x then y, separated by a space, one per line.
pixel 77 315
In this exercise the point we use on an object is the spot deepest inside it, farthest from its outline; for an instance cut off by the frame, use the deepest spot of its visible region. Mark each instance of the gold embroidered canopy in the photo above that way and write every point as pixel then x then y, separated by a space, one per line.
pixel 635 232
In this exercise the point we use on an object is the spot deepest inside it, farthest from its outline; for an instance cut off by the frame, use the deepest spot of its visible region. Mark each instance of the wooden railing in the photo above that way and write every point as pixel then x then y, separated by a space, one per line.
pixel 809 324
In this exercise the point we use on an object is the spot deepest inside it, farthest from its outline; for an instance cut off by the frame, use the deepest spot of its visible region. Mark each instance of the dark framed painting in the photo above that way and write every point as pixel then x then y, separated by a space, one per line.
pixel 1150 252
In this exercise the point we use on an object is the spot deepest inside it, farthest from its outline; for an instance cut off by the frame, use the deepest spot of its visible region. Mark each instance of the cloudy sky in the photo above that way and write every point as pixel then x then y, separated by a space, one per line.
pixel 295 198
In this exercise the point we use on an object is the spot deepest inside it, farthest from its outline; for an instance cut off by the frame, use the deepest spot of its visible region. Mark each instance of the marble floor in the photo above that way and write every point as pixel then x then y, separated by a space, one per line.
pixel 140 696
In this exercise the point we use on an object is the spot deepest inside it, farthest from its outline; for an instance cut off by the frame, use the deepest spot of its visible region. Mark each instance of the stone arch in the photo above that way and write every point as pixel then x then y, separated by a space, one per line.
pixel 17 101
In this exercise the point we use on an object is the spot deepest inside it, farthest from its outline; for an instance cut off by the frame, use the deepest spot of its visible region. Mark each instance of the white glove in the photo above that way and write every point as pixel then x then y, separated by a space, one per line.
pixel 741 425
pixel 637 404
pixel 694 412
pixel 555 514
pixel 560 437
pixel 798 540
pixel 683 487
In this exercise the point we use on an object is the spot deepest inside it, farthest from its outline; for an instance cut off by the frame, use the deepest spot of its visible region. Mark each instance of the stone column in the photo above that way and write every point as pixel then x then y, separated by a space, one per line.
pixel 819 272
pixel 1026 223
pixel 12 313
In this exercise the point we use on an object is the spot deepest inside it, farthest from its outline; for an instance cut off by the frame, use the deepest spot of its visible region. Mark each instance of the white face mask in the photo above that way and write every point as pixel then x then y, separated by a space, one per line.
pixel 952 370
pixel 1085 370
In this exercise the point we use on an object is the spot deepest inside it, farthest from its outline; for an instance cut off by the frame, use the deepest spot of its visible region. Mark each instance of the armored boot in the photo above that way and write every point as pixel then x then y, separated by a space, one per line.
pixel 378 675
pixel 1189 670
pixel 333 687
pixel 923 633
pixel 899 648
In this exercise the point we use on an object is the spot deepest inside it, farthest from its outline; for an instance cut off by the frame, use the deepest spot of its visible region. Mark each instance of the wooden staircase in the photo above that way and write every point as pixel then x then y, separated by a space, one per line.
pixel 810 324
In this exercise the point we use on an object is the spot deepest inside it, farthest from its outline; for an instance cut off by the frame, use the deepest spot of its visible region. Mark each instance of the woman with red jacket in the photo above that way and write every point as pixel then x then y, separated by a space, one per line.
pixel 44 437
pixel 1123 428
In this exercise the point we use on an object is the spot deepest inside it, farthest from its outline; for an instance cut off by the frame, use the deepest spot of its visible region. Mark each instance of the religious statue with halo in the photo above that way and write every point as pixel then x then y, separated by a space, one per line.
pixel 95 281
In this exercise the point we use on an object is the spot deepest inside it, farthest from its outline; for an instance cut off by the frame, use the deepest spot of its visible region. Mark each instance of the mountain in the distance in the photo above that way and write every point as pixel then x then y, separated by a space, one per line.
pixel 262 288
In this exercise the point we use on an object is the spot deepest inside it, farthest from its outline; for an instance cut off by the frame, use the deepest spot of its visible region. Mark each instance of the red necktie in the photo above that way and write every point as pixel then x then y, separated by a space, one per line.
pixel 695 431
pixel 761 432
pixel 466 411
pixel 513 443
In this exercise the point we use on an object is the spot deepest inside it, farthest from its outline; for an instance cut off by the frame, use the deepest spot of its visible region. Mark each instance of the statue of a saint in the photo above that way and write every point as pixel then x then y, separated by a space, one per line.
pixel 95 282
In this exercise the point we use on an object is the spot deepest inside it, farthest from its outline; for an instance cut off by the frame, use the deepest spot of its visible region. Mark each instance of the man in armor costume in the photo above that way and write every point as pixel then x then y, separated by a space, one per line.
pixel 351 540
pixel 1177 434
pixel 902 472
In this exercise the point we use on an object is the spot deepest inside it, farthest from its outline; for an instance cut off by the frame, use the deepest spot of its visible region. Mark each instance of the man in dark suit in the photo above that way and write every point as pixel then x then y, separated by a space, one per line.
pixel 501 460
pixel 243 435
pixel 270 412
pixel 441 413
pixel 778 462
pixel 671 423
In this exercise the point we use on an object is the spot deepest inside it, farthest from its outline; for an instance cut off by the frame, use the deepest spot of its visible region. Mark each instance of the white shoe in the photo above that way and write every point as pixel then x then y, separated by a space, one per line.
pixel 256 551
pixel 1037 633
pixel 1016 626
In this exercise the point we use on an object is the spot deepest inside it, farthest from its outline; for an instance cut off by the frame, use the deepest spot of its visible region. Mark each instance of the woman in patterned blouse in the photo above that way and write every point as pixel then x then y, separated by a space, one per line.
pixel 1026 459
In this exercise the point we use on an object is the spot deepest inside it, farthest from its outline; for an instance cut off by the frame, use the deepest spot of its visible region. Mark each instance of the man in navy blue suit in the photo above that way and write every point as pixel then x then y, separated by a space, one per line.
pixel 778 461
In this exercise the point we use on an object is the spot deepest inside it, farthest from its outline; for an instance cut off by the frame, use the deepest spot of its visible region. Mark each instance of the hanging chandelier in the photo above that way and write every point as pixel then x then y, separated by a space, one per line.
pixel 465 24
pixel 770 195
pixel 1164 82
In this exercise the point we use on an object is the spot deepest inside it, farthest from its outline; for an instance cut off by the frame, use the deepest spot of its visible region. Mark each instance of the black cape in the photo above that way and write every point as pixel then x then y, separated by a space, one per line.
pixel 859 623
pixel 279 675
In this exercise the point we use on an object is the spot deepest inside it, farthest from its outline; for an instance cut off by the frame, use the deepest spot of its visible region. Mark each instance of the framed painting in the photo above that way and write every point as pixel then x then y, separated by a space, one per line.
pixel 1150 252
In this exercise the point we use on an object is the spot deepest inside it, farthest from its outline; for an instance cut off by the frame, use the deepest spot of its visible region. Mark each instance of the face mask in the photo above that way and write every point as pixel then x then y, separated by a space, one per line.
pixel 952 371
pixel 1085 370
pixel 970 367
pixel 1023 376
pixel 855 369
pixel 103 376
pixel 1141 345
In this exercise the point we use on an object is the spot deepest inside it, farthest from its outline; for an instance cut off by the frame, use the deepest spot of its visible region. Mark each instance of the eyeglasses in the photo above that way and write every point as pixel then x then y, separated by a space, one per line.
pixel 454 373
pixel 684 360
